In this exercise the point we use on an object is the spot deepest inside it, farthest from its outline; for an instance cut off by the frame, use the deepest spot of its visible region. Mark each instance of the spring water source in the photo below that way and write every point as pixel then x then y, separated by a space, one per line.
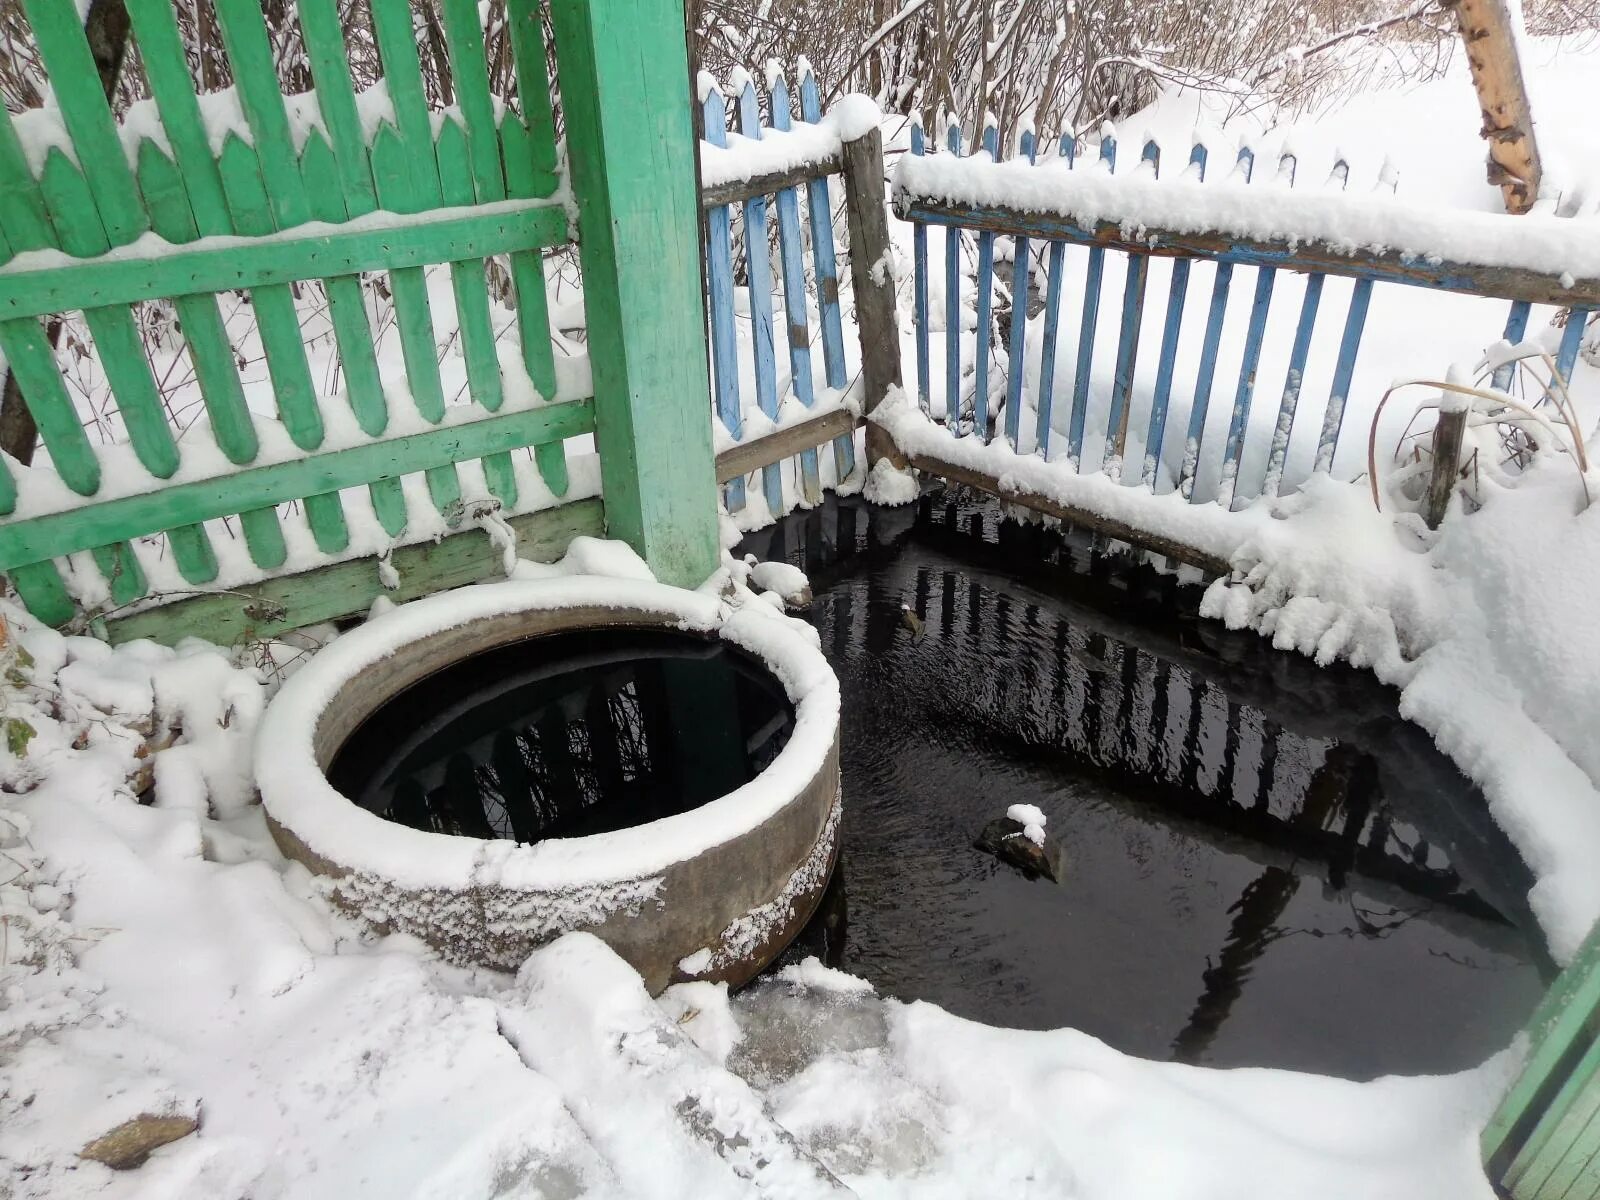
pixel 1265 866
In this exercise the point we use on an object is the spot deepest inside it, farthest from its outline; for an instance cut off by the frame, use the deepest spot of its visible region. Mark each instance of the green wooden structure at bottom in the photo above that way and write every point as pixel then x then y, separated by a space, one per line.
pixel 1543 1142
pixel 344 589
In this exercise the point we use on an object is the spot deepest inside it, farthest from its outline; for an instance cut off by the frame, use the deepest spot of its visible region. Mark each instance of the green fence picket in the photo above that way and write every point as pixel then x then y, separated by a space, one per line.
pixel 325 51
pixel 402 76
pixel 464 35
pixel 255 83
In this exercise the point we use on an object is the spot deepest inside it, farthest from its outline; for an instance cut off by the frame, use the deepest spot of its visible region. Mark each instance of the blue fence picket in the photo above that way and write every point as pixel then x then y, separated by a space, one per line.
pixel 1571 342
pixel 1128 342
pixel 985 310
pixel 919 255
pixel 1086 330
pixel 1052 321
pixel 1203 379
pixel 758 274
pixel 1344 370
pixel 1516 330
pixel 792 257
pixel 1291 385
pixel 1177 294
pixel 952 307
pixel 1019 316
pixel 719 273
pixel 823 265
pixel 1254 336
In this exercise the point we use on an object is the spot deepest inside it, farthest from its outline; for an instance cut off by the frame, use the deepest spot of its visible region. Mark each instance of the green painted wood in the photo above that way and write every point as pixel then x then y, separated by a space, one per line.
pixel 1558 1026
pixel 474 324
pixel 347 310
pixel 402 73
pixel 1558 1128
pixel 191 550
pixel 523 178
pixel 122 572
pixel 345 589
pixel 33 365
pixel 325 52
pixel 43 593
pixel 166 69
pixel 393 171
pixel 464 35
pixel 1586 1181
pixel 226 263
pixel 263 537
pixel 255 83
pixel 58 32
pixel 533 99
pixel 55 534
pixel 630 140
pixel 21 209
pixel 120 350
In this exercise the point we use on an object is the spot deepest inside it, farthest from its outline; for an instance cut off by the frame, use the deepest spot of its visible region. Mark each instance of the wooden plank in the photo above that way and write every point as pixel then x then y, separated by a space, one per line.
pixel 791 255
pixel 526 29
pixel 952 307
pixel 58 32
pixel 719 298
pixel 1488 32
pixel 64 532
pixel 1012 492
pixel 1516 329
pixel 1203 379
pixel 255 84
pixel 739 461
pixel 825 271
pixel 327 57
pixel 630 142
pixel 1239 422
pixel 1292 382
pixel 1128 344
pixel 1019 318
pixel 1177 295
pixel 872 285
pixel 758 274
pixel 984 310
pixel 33 365
pixel 919 294
pixel 222 264
pixel 463 32
pixel 344 589
pixel 1047 352
pixel 402 76
pixel 1390 265
pixel 1343 372
pixel 736 191
pixel 1091 315
pixel 1564 1137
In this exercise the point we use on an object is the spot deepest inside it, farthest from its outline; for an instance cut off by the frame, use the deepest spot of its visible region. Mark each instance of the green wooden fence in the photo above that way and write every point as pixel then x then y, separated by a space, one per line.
pixel 199 210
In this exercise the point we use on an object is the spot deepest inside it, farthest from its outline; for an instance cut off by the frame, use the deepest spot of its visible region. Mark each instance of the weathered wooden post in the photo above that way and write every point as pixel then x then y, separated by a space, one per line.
pixel 873 281
pixel 1486 29
pixel 1448 435
pixel 625 91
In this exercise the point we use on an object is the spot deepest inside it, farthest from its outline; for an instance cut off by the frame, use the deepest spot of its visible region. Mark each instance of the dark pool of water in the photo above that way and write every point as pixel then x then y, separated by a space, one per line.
pixel 1265 864
pixel 566 735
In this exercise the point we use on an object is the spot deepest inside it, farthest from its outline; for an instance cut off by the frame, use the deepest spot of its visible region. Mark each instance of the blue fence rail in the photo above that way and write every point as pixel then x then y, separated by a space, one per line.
pixel 1249 460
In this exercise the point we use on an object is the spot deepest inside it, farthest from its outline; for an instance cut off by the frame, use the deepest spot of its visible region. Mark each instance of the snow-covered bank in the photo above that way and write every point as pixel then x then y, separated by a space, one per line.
pixel 1483 629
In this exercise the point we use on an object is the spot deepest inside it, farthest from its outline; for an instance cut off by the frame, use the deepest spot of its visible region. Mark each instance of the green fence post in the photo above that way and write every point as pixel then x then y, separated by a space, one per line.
pixel 630 147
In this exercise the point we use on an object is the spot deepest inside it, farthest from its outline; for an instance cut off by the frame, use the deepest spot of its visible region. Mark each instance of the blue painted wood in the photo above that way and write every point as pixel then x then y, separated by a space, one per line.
pixel 1177 294
pixel 919 256
pixel 1288 167
pixel 758 273
pixel 1340 175
pixel 1052 325
pixel 952 308
pixel 1239 425
pixel 1343 371
pixel 1291 385
pixel 824 268
pixel 1019 316
pixel 985 312
pixel 1086 329
pixel 1128 342
pixel 1516 329
pixel 1203 380
pixel 791 254
pixel 1571 342
pixel 1245 164
pixel 719 279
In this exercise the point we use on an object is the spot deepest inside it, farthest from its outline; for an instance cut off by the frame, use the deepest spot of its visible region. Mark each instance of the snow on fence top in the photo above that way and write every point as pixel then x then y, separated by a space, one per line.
pixel 1545 259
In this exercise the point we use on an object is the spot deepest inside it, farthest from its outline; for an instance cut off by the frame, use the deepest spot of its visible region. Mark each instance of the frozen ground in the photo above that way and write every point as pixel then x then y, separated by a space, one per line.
pixel 163 958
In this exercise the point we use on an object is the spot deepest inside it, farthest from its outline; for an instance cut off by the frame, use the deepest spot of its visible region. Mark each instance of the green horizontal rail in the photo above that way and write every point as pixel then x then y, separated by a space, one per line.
pixel 342 589
pixel 36 539
pixel 220 264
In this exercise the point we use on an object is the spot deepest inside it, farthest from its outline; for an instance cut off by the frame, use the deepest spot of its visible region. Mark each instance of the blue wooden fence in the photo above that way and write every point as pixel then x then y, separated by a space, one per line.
pixel 969 236
pixel 739 257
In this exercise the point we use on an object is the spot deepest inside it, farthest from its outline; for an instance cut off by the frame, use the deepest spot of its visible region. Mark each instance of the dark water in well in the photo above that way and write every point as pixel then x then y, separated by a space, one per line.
pixel 567 735
pixel 1264 864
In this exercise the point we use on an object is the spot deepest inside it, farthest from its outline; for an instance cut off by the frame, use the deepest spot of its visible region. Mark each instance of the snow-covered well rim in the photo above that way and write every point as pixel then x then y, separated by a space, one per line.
pixel 297 795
